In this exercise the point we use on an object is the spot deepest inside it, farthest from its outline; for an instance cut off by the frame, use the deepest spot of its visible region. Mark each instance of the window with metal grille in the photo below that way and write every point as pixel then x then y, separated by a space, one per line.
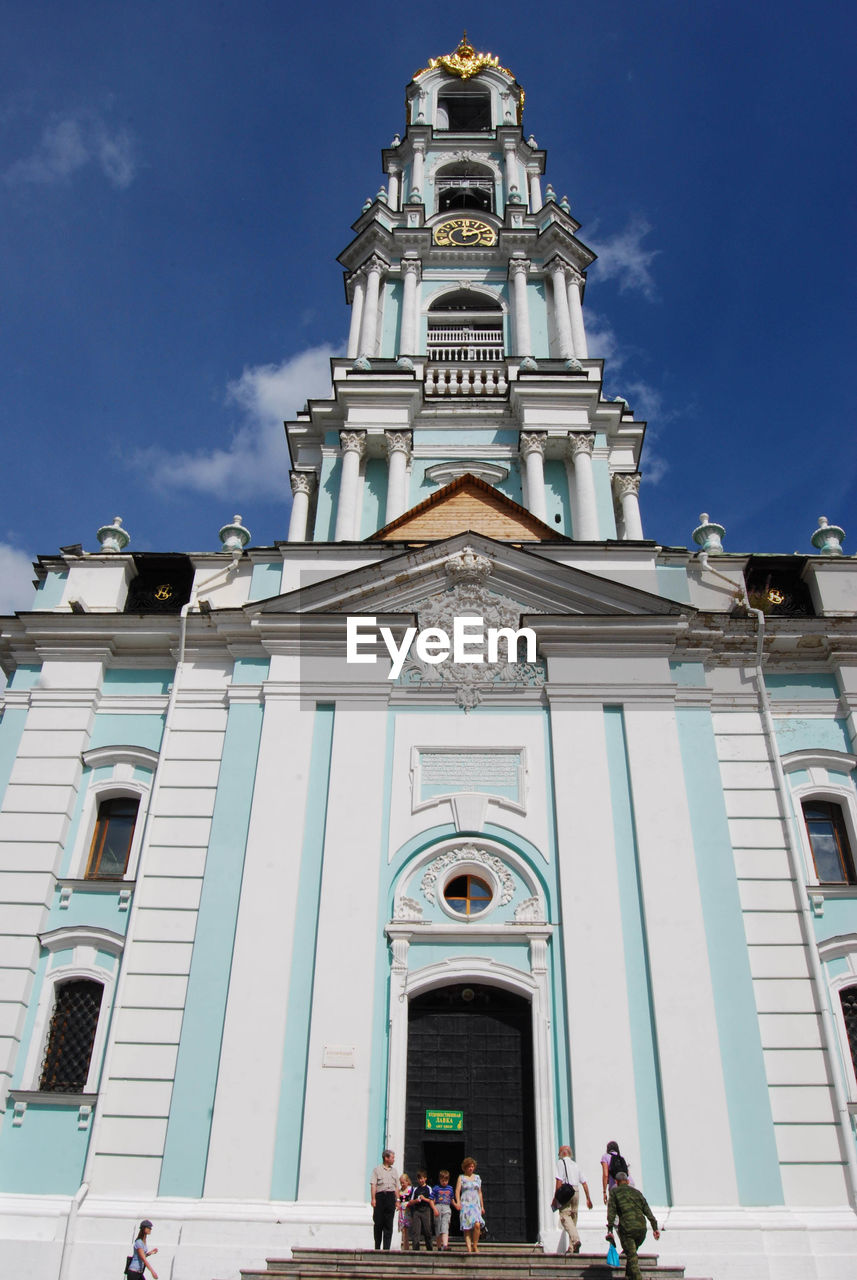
pixel 828 838
pixel 848 997
pixel 111 843
pixel 71 1036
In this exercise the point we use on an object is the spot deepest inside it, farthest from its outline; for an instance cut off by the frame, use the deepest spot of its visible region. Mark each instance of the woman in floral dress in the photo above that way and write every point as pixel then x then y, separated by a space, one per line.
pixel 470 1204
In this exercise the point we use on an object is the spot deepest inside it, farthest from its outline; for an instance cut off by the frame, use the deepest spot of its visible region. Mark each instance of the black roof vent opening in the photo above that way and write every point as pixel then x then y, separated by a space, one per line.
pixel 162 585
pixel 775 585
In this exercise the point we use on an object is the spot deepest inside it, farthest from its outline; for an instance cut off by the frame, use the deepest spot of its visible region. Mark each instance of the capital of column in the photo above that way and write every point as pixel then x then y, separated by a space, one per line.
pixel 533 442
pixel 302 481
pixel 626 482
pixel 581 442
pixel 353 442
pixel 419 147
pixel 565 268
pixel 374 263
pixel 356 278
pixel 412 267
pixel 518 267
pixel 398 442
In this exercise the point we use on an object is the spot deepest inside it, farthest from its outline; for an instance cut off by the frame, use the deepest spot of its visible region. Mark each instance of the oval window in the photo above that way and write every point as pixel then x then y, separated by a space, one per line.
pixel 467 895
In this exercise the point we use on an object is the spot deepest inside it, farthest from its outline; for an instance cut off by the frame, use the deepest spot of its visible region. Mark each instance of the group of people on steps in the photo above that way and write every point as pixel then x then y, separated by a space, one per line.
pixel 424 1211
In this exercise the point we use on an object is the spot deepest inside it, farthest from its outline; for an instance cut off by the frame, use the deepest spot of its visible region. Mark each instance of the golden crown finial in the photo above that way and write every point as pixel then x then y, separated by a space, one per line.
pixel 466 62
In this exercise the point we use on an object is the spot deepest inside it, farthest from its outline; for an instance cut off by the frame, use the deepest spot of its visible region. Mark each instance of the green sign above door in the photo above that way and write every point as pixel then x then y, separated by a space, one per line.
pixel 450 1120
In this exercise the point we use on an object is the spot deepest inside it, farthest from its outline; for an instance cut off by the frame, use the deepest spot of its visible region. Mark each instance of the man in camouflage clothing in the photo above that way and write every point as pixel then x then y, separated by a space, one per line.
pixel 631 1208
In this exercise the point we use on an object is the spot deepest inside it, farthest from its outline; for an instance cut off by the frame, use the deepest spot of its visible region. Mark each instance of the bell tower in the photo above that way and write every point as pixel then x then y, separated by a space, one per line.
pixel 467 350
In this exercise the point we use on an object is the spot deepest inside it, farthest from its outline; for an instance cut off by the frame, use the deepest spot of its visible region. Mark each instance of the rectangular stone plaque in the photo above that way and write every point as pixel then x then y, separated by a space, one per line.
pixel 449 772
pixel 338 1055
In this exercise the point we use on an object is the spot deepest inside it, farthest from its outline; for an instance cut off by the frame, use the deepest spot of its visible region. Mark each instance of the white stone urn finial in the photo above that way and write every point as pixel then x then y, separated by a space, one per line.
pixel 708 536
pixel 828 538
pixel 234 537
pixel 112 536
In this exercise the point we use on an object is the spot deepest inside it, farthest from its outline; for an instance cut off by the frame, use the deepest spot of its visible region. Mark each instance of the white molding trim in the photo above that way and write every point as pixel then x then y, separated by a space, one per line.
pixel 819 758
pixel 140 757
pixel 533 987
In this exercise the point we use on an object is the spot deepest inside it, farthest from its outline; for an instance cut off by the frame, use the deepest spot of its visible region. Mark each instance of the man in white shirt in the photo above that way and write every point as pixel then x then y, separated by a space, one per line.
pixel 383 1187
pixel 569 1174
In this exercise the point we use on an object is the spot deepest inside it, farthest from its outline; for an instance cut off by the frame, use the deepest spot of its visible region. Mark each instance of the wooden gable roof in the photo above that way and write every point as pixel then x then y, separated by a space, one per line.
pixel 467 504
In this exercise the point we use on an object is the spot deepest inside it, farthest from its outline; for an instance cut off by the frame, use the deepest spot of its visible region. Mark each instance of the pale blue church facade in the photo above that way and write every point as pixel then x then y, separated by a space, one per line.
pixel 264 907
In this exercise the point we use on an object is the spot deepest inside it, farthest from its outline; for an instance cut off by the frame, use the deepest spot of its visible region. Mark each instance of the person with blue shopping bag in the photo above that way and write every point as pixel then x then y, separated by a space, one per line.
pixel 629 1207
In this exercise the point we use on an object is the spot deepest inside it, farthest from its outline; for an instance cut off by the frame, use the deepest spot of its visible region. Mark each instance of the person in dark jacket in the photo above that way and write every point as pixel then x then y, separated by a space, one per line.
pixel 630 1207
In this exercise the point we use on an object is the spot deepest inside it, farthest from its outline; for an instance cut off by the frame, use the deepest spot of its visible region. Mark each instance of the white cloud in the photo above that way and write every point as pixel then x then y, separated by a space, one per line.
pixel 255 463
pixel 16 579
pixel 70 143
pixel 622 258
pixel 601 341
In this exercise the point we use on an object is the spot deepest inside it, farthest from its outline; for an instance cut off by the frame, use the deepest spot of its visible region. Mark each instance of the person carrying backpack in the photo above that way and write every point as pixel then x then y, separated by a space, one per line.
pixel 612 1163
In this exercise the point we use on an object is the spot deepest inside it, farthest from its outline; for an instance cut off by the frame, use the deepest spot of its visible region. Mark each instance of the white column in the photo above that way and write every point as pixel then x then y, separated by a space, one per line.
pixel 627 489
pixel 558 271
pixel 411 271
pixel 357 301
pixel 335 1107
pixel 418 170
pixel 535 184
pixel 398 455
pixel 575 308
pixel 369 325
pixel 241 1151
pixel 353 447
pixel 589 887
pixel 533 452
pixel 511 166
pixel 519 270
pixel 681 988
pixel 393 187
pixel 585 512
pixel 303 483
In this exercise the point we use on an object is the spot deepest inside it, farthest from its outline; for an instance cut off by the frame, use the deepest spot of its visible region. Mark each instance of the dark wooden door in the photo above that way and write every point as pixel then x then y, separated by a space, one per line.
pixel 470 1049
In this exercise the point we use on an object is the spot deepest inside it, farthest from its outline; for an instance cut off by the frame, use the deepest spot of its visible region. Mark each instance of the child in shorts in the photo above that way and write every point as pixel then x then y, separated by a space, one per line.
pixel 443 1196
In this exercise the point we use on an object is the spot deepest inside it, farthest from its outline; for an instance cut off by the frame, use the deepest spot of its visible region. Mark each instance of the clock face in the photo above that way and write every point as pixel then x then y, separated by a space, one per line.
pixel 465 233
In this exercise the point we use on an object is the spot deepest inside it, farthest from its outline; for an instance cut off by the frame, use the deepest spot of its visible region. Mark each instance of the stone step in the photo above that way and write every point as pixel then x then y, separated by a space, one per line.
pixel 493 1262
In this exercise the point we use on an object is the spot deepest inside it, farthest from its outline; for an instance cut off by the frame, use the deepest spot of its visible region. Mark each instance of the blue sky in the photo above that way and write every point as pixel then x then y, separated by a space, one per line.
pixel 176 181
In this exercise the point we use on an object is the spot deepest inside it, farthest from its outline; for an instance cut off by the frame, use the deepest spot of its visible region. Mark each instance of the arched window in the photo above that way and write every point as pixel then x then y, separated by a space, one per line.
pixel 828 840
pixel 464 112
pixel 74 1021
pixel 465 185
pixel 111 840
pixel 465 325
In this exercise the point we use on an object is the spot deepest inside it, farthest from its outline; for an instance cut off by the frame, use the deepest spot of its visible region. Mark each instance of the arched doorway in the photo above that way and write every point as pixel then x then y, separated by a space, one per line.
pixel 470 1050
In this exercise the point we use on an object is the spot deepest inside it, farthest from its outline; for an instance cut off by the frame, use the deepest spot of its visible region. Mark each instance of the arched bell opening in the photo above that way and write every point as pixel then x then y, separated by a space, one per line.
pixel 465 185
pixel 464 110
pixel 465 325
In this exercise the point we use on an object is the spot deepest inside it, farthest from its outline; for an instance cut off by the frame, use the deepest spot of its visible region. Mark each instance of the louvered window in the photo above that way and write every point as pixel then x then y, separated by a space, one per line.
pixel 71 1036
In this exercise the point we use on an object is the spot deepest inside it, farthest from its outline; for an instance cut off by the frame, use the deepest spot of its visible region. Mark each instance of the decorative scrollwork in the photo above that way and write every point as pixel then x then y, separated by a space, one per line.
pixel 463 854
